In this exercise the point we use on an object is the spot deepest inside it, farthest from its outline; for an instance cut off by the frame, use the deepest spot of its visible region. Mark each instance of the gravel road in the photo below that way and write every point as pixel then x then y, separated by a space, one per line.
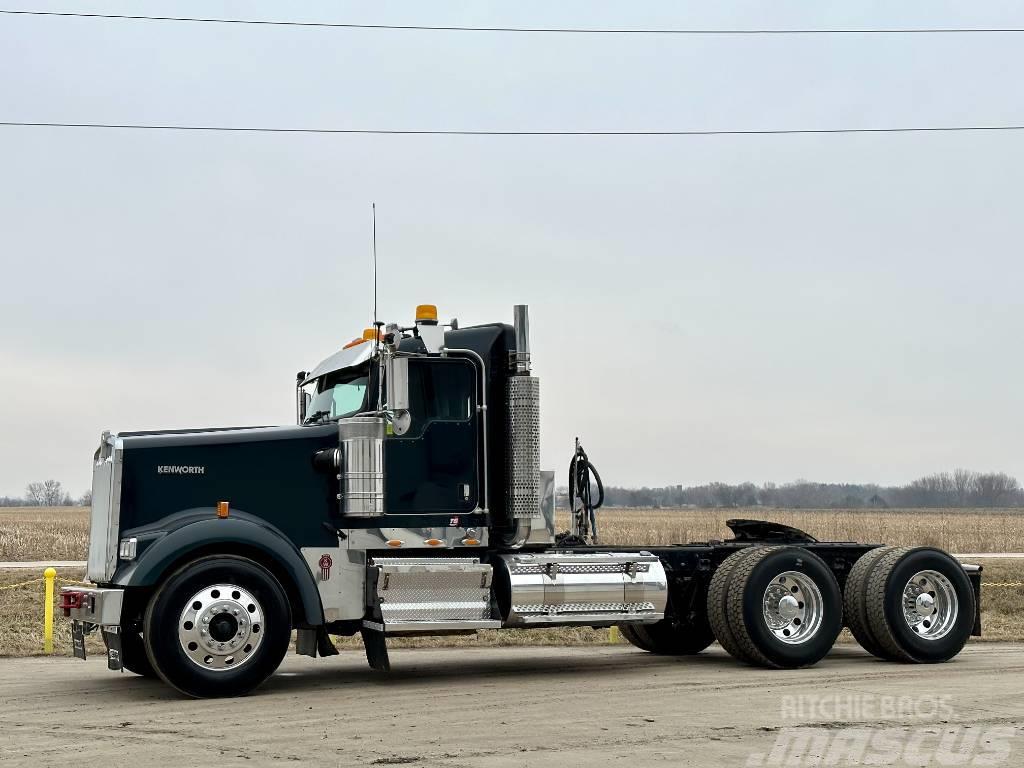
pixel 495 707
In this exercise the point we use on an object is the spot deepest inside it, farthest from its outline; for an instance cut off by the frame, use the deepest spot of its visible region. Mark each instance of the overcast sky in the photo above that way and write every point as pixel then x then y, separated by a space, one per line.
pixel 840 308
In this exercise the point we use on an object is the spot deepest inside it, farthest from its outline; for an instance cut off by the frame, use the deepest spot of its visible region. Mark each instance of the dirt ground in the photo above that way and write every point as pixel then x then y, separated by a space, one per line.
pixel 498 708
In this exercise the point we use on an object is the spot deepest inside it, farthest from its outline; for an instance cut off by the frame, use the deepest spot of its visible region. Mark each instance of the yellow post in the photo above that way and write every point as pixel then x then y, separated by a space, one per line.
pixel 614 636
pixel 49 574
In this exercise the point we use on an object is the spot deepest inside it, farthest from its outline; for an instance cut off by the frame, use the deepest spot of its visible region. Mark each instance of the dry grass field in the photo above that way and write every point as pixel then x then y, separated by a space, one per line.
pixel 952 530
pixel 62 534
pixel 42 533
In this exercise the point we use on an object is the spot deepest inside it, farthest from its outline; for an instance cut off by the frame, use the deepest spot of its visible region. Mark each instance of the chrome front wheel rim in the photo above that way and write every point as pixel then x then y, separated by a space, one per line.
pixel 930 605
pixel 793 607
pixel 221 627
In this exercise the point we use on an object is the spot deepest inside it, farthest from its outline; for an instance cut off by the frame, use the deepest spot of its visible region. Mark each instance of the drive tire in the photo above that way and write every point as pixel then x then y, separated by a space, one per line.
pixel 671 636
pixel 806 582
pixel 270 635
pixel 629 631
pixel 855 603
pixel 718 591
pixel 888 606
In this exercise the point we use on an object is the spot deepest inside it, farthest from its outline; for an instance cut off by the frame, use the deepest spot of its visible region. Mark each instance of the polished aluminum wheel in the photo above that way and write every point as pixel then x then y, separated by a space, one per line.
pixel 930 605
pixel 793 607
pixel 221 627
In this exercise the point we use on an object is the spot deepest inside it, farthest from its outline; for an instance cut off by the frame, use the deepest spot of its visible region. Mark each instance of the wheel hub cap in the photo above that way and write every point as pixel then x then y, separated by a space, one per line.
pixel 789 607
pixel 930 604
pixel 221 627
pixel 793 607
pixel 925 604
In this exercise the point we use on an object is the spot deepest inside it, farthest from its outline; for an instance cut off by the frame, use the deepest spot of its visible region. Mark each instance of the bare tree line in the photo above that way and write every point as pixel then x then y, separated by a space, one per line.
pixel 48 493
pixel 960 488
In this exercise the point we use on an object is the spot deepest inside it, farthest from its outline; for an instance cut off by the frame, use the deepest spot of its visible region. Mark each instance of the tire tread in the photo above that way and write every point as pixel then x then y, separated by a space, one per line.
pixel 718 591
pixel 875 594
pixel 734 604
pixel 855 607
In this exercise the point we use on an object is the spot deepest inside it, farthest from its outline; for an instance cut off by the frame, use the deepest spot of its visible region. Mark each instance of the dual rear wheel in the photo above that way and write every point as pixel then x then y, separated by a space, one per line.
pixel 775 606
pixel 772 606
pixel 910 604
pixel 781 606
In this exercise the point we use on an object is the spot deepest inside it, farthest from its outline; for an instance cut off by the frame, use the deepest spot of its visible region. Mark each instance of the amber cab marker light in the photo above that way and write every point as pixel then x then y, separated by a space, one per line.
pixel 394 543
pixel 426 313
pixel 223 509
pixel 433 542
pixel 471 542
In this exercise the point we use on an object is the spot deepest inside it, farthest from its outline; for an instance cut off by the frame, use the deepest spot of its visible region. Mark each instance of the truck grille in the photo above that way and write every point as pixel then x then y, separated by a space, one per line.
pixel 106 509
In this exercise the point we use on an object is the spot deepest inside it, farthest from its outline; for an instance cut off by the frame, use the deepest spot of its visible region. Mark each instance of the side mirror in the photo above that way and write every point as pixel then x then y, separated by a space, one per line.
pixel 397 374
pixel 301 398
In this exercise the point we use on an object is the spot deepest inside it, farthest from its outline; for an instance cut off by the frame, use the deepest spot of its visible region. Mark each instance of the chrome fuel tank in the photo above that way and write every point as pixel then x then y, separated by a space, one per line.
pixel 582 588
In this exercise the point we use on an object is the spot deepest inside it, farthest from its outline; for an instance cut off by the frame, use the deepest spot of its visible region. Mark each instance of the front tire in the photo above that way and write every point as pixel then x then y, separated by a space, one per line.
pixel 219 626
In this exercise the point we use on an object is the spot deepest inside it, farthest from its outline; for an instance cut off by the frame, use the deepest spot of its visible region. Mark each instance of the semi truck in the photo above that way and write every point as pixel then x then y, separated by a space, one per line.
pixel 408 499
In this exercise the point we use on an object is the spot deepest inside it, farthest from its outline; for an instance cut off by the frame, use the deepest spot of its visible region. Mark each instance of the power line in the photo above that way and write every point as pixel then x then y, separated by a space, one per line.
pixel 551 30
pixel 442 132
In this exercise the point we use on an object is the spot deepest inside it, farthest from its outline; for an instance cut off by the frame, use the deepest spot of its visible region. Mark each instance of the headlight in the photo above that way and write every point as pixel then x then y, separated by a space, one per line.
pixel 127 548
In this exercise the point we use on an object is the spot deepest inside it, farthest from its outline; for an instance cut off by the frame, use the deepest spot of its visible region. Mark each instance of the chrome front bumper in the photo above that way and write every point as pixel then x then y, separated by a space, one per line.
pixel 92 608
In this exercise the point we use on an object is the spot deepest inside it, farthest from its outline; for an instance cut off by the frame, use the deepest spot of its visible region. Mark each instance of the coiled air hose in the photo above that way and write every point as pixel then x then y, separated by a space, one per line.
pixel 581 502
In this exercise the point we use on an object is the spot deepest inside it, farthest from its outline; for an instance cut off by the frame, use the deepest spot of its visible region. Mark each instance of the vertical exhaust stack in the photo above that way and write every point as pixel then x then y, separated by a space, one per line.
pixel 523 468
pixel 521 324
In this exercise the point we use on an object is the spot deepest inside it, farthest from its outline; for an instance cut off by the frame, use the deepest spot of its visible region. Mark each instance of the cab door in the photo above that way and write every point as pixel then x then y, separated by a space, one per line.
pixel 432 468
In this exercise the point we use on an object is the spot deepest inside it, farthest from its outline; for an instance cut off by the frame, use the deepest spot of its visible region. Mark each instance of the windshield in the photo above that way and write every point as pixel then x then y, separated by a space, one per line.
pixel 338 395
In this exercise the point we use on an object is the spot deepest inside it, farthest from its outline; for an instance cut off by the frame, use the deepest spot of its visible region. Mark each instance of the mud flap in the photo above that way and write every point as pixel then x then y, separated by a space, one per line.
pixel 376 650
pixel 324 646
pixel 113 641
pixel 78 639
pixel 314 642
pixel 974 574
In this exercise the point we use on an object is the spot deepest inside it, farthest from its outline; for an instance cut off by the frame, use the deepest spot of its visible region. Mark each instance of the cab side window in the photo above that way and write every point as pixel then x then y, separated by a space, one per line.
pixel 439 390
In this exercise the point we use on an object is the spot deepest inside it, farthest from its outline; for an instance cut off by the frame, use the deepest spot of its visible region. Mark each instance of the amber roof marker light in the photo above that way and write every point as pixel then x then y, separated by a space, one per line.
pixel 426 313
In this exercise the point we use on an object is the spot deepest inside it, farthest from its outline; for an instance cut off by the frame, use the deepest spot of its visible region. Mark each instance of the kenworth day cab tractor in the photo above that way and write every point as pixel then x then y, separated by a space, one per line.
pixel 409 500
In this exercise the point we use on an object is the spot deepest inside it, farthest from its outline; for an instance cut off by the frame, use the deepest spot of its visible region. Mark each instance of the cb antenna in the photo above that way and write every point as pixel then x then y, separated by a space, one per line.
pixel 373 215
pixel 376 324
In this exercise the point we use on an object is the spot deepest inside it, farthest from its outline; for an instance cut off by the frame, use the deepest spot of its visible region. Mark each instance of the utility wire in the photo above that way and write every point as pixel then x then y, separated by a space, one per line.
pixel 410 132
pixel 551 30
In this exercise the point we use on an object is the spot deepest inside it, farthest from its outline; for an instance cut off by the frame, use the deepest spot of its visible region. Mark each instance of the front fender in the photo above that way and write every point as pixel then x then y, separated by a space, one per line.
pixel 208 534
